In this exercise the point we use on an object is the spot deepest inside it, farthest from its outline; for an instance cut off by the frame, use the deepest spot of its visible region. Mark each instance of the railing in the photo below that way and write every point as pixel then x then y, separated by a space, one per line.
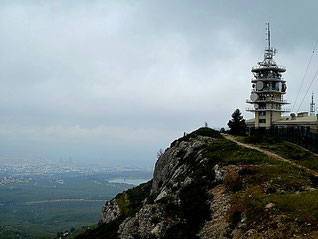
pixel 267 100
pixel 268 109
pixel 272 66
pixel 265 89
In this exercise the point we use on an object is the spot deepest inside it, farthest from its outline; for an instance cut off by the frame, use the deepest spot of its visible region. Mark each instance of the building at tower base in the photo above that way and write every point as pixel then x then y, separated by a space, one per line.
pixel 302 121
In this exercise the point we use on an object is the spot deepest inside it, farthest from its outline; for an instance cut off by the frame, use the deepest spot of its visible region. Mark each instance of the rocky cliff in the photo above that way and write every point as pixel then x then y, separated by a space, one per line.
pixel 207 187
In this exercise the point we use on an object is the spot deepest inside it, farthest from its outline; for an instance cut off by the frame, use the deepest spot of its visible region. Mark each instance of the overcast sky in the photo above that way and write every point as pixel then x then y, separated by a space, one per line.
pixel 115 81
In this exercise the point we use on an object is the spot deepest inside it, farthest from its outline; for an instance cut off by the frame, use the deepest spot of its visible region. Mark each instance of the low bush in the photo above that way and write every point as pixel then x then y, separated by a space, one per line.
pixel 260 138
pixel 233 181
pixel 103 230
pixel 236 216
pixel 246 170
pixel 131 200
pixel 204 131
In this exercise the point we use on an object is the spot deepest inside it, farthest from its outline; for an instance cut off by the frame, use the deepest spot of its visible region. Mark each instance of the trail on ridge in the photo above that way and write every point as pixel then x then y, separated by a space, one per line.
pixel 270 154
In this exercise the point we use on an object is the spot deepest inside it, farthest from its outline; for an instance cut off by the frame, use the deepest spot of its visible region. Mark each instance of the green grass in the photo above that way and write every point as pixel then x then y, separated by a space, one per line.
pixel 204 131
pixel 282 184
pixel 227 152
pixel 302 207
pixel 271 181
pixel 262 180
pixel 285 149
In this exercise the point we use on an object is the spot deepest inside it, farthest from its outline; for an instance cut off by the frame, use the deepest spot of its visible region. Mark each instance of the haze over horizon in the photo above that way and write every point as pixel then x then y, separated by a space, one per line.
pixel 116 80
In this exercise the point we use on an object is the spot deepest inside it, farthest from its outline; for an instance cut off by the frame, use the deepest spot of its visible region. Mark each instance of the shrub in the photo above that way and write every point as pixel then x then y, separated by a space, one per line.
pixel 204 131
pixel 260 138
pixel 131 200
pixel 246 170
pixel 233 181
pixel 270 189
pixel 236 215
pixel 105 230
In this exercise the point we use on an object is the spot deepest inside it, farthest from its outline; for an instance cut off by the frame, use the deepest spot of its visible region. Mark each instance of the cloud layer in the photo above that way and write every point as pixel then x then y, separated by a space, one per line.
pixel 114 77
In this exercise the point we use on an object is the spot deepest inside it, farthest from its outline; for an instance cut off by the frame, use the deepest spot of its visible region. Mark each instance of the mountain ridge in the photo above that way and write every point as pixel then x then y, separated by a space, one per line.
pixel 205 186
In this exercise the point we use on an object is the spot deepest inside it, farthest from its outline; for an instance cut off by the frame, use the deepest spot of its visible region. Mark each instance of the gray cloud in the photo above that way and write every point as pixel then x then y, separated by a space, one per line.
pixel 103 79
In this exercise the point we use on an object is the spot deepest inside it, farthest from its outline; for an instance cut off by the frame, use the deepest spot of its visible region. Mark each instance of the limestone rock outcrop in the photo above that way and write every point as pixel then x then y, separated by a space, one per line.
pixel 110 211
pixel 159 214
pixel 206 187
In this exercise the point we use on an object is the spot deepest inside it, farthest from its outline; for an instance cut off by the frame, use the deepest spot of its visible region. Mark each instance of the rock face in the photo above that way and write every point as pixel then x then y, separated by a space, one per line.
pixel 171 164
pixel 160 215
pixel 110 211
pixel 207 187
pixel 144 224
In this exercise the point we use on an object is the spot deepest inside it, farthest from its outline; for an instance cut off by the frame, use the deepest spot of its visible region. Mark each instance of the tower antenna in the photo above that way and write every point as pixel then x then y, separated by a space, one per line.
pixel 312 105
pixel 268 36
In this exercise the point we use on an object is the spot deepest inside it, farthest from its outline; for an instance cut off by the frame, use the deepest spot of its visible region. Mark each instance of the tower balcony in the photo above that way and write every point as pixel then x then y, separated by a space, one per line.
pixel 268 90
pixel 260 68
pixel 278 101
pixel 269 79
pixel 267 109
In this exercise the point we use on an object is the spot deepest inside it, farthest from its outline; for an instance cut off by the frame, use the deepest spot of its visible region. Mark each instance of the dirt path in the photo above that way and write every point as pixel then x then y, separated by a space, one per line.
pixel 270 154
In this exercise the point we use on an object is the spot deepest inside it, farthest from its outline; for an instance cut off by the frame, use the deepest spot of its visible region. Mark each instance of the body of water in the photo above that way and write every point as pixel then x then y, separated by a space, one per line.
pixel 133 181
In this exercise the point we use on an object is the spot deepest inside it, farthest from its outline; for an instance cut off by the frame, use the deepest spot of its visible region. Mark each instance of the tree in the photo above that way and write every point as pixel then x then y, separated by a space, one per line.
pixel 160 152
pixel 237 124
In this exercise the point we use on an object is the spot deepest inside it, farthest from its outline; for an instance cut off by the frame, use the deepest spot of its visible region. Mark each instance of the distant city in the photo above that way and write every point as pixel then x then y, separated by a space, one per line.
pixel 38 193
pixel 15 170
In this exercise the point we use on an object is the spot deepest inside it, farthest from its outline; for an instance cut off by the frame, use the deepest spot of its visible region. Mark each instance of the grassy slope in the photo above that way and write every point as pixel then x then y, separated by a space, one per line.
pixel 293 191
pixel 284 149
pixel 258 181
pixel 261 181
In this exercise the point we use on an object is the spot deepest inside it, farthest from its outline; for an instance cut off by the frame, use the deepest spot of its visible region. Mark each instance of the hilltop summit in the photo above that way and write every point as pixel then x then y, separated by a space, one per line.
pixel 205 186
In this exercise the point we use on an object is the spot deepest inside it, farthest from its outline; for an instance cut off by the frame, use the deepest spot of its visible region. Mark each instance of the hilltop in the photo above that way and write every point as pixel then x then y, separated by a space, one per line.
pixel 206 186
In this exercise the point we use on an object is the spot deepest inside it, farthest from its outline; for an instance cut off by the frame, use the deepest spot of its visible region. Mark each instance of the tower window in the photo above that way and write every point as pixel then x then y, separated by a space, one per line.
pixel 262 120
pixel 262 113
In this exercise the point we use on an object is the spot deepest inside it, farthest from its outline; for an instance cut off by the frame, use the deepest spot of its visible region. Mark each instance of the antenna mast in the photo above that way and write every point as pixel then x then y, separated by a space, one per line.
pixel 312 105
pixel 268 36
pixel 269 51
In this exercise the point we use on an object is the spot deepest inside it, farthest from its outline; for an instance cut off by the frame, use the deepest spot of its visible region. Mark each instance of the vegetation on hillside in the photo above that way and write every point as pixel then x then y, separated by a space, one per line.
pixel 204 131
pixel 285 149
pixel 265 193
pixel 275 193
pixel 262 181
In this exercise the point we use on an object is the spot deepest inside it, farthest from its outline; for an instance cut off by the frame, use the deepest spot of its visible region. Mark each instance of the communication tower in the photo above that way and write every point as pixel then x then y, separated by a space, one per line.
pixel 312 105
pixel 268 88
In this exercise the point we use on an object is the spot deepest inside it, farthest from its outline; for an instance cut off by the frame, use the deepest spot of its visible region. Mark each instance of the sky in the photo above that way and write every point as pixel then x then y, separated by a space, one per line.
pixel 114 81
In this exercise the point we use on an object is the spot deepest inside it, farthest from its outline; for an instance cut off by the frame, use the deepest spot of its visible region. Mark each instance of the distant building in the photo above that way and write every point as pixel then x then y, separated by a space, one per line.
pixel 268 89
pixel 302 120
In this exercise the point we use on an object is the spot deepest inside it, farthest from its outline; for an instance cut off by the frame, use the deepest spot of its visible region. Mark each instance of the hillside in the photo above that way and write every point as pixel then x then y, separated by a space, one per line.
pixel 205 186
